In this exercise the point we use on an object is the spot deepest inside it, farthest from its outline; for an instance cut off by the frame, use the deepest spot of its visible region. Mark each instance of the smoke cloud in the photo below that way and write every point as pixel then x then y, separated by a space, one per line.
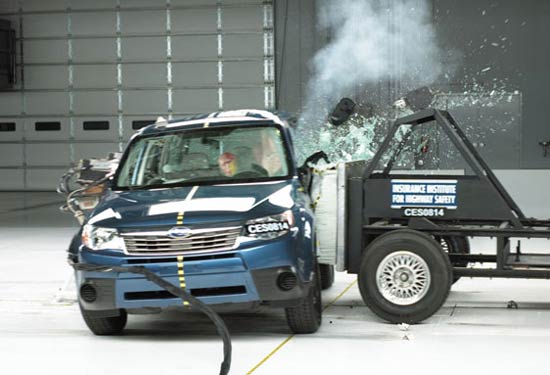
pixel 370 41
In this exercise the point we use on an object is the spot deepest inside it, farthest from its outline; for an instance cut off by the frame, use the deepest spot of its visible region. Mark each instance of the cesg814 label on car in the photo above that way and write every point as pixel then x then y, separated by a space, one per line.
pixel 431 212
pixel 274 226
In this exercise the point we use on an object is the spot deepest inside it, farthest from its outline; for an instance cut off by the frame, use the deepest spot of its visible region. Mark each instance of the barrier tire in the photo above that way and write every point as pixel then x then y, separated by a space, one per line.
pixel 404 276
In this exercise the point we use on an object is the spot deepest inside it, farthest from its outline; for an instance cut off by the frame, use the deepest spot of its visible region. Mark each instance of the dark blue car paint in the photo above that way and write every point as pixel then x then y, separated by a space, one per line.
pixel 233 271
pixel 294 250
pixel 134 205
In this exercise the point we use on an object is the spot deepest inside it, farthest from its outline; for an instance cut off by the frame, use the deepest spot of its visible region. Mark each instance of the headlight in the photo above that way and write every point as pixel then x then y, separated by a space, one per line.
pixel 97 238
pixel 269 227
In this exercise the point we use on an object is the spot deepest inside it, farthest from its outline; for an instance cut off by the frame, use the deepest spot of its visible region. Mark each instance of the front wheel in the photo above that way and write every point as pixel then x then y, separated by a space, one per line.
pixel 102 325
pixel 306 317
pixel 405 276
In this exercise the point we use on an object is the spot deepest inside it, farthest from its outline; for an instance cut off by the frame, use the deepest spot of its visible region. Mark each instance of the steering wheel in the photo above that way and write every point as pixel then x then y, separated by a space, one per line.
pixel 152 177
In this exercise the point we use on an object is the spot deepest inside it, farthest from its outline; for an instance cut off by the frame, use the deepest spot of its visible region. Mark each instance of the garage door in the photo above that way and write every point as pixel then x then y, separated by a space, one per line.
pixel 92 72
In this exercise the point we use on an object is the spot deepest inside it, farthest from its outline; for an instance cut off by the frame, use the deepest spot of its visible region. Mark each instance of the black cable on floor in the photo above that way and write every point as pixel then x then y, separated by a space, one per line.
pixel 178 292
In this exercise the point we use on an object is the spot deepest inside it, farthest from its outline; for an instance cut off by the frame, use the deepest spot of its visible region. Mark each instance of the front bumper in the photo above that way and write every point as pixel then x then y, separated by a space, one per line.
pixel 243 276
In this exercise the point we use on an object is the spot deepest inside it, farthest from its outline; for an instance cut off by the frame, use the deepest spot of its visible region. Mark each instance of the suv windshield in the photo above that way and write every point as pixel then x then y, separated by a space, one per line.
pixel 222 155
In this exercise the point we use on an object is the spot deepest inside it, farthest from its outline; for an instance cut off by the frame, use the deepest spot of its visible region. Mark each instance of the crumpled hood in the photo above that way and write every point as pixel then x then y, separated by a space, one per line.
pixel 201 205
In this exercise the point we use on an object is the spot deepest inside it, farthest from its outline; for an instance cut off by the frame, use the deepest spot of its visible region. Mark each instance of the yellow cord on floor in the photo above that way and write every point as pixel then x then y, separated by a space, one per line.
pixel 291 336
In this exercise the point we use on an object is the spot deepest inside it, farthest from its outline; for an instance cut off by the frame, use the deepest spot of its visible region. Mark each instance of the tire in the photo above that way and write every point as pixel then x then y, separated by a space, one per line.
pixel 306 317
pixel 456 245
pixel 327 275
pixel 104 326
pixel 428 267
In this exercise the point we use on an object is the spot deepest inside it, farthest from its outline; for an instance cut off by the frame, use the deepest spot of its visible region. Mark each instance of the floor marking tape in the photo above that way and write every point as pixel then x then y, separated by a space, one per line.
pixel 270 354
pixel 291 336
pixel 340 295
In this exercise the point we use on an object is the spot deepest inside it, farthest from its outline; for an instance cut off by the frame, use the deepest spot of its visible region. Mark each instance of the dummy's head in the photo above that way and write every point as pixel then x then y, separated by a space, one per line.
pixel 228 164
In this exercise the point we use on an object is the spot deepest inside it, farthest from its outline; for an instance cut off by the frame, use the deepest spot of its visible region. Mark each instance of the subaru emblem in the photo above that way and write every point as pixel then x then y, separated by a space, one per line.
pixel 179 232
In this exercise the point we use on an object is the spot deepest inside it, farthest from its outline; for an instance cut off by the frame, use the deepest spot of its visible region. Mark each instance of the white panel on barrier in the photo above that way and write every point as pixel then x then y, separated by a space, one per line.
pixel 244 98
pixel 48 154
pixel 47 103
pixel 45 51
pixel 41 5
pixel 94 76
pixel 144 75
pixel 42 25
pixel 243 18
pixel 143 22
pixel 11 155
pixel 195 74
pixel 141 49
pixel 195 101
pixel 46 77
pixel 10 103
pixel 146 101
pixel 12 179
pixel 190 47
pixel 100 102
pixel 193 20
pixel 43 179
pixel 94 50
pixel 243 73
pixel 92 23
pixel 243 46
pixel 87 4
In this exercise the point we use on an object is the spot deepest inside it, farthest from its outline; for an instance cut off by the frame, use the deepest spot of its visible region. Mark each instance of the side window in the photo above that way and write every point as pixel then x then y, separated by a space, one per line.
pixel 269 152
pixel 258 150
pixel 152 160
pixel 173 150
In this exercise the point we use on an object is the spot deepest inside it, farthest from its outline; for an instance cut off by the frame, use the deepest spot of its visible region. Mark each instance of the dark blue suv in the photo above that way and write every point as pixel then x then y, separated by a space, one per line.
pixel 214 205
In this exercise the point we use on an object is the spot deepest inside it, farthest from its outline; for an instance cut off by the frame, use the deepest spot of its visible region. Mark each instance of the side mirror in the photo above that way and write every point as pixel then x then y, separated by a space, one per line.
pixel 109 183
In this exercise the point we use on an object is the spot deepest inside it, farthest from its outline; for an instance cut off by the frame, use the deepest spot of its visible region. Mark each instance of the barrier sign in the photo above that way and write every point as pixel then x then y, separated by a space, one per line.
pixel 423 193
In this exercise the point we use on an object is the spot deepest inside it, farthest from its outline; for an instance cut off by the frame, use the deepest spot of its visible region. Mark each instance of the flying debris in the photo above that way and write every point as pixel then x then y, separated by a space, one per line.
pixel 342 112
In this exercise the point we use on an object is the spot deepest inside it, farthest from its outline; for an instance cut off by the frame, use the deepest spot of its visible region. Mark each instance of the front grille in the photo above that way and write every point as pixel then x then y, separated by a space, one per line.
pixel 173 260
pixel 199 241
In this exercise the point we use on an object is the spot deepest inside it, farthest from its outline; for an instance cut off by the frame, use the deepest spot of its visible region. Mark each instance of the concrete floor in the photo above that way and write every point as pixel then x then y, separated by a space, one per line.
pixel 473 333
